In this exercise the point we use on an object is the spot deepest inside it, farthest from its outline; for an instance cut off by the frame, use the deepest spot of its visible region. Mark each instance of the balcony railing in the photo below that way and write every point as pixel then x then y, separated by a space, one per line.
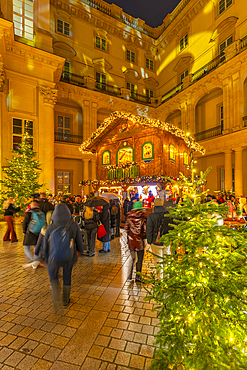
pixel 138 97
pixel 208 134
pixel 207 68
pixel 172 92
pixel 110 89
pixel 68 138
pixel 72 78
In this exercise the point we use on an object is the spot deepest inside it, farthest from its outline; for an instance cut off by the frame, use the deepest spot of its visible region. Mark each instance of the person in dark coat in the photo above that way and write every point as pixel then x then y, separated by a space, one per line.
pixel 125 207
pixel 29 237
pixel 60 217
pixel 90 217
pixel 113 218
pixel 105 220
pixel 44 204
pixel 169 203
pixel 10 210
pixel 136 227
pixel 118 223
pixel 155 222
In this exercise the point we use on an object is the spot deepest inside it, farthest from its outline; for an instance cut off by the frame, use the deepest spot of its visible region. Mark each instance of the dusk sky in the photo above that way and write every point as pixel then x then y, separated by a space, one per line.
pixel 151 11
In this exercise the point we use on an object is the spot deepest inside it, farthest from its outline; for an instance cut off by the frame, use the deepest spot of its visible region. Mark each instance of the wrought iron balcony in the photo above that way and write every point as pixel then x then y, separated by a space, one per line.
pixel 72 78
pixel 208 134
pixel 110 89
pixel 68 138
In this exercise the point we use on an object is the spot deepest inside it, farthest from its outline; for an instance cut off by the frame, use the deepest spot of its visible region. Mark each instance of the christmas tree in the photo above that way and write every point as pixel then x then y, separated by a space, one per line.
pixel 201 299
pixel 22 174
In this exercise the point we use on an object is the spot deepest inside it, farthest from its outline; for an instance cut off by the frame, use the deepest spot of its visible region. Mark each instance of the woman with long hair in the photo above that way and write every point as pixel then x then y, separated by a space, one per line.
pixel 10 210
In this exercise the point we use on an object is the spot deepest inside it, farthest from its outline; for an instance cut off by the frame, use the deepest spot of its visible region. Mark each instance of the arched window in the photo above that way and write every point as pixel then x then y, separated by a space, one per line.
pixel 186 159
pixel 106 158
pixel 172 152
pixel 147 151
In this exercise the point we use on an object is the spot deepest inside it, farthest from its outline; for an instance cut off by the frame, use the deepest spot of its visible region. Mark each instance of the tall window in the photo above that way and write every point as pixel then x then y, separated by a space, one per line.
pixel 221 117
pixel 183 42
pixel 223 5
pixel 101 81
pixel 222 179
pixel 172 152
pixel 63 128
pixel 149 93
pixel 63 181
pixel 183 75
pixel 223 45
pixel 63 27
pixel 132 88
pixel 100 43
pixel 21 126
pixel 23 18
pixel 131 56
pixel 149 64
pixel 66 70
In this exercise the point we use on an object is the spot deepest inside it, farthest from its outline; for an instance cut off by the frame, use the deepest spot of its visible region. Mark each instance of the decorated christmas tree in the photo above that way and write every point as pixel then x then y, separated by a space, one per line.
pixel 201 299
pixel 21 176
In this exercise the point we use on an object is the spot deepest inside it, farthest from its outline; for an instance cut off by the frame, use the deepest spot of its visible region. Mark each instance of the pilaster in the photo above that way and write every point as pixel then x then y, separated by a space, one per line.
pixel 227 105
pixel 238 171
pixel 228 169
pixel 237 101
pixel 86 174
pixel 94 117
pixel 48 99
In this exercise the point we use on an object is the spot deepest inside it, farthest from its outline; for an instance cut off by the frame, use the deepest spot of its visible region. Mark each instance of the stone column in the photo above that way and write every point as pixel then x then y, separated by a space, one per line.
pixel 86 174
pixel 94 117
pixel 237 101
pixel 48 100
pixel 2 79
pixel 228 169
pixel 227 105
pixel 238 171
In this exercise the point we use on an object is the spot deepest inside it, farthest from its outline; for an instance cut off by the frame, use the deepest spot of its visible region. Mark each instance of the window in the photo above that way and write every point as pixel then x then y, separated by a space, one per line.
pixel 149 93
pixel 66 70
pixel 149 64
pixel 131 56
pixel 223 5
pixel 63 27
pixel 100 43
pixel 183 42
pixel 23 18
pixel 172 152
pixel 63 181
pixel 223 45
pixel 221 118
pixel 222 179
pixel 186 158
pixel 63 128
pixel 19 128
pixel 100 81
pixel 183 75
pixel 106 158
pixel 132 88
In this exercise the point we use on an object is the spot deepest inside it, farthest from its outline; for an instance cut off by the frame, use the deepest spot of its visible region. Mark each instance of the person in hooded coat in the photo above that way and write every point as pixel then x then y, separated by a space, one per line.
pixel 61 217
pixel 136 227
pixel 105 220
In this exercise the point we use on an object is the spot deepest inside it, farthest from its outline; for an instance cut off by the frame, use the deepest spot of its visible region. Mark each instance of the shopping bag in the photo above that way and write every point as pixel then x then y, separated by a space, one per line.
pixel 101 230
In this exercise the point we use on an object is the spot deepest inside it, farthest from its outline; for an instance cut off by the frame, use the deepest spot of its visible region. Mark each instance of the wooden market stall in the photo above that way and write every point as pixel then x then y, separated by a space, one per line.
pixel 136 151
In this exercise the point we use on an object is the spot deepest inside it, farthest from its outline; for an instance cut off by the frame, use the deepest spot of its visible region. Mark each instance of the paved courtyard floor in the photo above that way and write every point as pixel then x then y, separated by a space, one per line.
pixel 107 326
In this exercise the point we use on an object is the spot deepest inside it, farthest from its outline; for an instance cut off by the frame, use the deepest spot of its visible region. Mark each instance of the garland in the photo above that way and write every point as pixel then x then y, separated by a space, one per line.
pixel 121 166
pixel 150 122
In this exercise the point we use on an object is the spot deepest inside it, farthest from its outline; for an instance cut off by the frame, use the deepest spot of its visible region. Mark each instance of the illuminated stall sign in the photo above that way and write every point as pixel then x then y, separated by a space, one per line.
pixel 125 154
pixel 186 159
pixel 106 158
pixel 147 151
pixel 172 152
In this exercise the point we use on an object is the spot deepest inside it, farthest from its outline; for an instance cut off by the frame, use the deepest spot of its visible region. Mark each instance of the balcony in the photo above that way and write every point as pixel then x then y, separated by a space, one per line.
pixel 67 138
pixel 208 134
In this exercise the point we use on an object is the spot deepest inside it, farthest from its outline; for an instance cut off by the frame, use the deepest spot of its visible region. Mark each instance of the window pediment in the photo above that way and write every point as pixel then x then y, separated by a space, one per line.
pixel 63 49
pixel 227 24
pixel 132 74
pixel 102 63
pixel 150 81
pixel 183 62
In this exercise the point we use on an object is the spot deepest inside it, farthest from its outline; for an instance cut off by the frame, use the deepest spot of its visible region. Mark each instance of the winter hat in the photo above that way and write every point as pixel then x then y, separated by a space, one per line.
pixel 158 202
pixel 137 205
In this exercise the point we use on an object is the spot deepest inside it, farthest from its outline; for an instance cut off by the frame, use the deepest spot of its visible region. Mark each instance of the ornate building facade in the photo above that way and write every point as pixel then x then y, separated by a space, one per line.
pixel 66 65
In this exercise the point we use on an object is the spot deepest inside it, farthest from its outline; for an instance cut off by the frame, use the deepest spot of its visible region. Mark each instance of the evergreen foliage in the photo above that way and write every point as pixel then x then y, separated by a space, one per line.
pixel 22 174
pixel 201 300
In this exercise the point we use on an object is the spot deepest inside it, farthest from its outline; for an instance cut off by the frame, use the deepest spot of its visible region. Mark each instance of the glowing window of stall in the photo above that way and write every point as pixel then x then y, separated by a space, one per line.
pixel 125 154
pixel 106 158
pixel 147 151
pixel 172 152
pixel 186 159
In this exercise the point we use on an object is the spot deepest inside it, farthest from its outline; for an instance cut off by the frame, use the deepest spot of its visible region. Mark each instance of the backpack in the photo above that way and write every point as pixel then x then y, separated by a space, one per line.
pixel 114 210
pixel 161 229
pixel 37 222
pixel 61 243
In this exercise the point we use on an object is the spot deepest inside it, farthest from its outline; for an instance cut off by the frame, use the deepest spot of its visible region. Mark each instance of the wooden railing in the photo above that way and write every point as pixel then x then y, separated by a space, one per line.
pixel 132 171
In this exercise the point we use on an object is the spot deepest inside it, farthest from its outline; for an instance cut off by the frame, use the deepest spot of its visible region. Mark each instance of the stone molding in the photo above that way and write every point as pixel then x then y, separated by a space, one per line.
pixel 49 94
pixel 2 74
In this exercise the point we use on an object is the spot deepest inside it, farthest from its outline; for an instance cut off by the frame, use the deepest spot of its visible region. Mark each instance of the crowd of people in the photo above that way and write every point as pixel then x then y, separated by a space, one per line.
pixel 48 222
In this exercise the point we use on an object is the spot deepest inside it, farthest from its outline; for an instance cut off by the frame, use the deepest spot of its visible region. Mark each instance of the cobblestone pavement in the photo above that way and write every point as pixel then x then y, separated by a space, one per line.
pixel 107 326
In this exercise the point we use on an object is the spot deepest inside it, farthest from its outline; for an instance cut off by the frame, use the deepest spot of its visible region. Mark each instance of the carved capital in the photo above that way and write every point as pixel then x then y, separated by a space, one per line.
pixel 2 74
pixel 49 94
